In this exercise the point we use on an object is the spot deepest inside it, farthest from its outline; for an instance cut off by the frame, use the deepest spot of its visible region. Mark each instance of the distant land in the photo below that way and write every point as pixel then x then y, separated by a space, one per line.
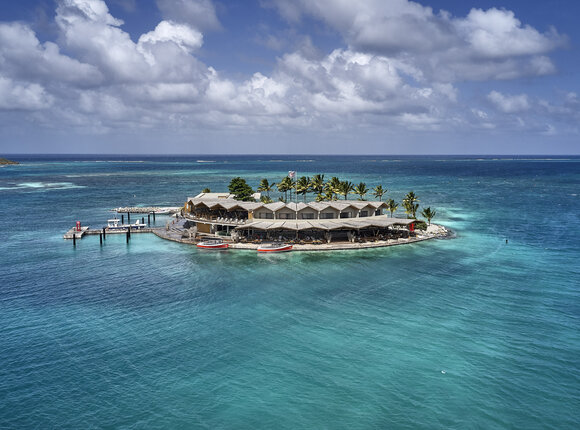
pixel 5 161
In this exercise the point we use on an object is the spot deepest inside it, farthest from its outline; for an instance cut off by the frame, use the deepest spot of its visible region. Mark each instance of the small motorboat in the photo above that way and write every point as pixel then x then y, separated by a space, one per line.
pixel 274 247
pixel 212 244
pixel 115 225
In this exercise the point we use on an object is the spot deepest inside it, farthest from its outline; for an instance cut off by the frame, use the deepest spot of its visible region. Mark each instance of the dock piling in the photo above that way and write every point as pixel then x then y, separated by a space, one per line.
pixel 122 219
pixel 148 219
pixel 129 217
pixel 143 220
pixel 153 216
pixel 128 236
pixel 104 233
pixel 101 238
pixel 74 239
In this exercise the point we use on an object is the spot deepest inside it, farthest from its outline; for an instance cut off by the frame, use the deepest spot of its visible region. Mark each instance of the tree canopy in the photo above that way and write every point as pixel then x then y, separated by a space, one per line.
pixel 241 190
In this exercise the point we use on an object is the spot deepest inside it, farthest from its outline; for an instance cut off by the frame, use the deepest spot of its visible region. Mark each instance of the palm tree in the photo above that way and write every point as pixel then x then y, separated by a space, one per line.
pixel 361 189
pixel 429 214
pixel 392 206
pixel 266 186
pixel 379 192
pixel 344 188
pixel 410 205
pixel 284 186
pixel 332 186
pixel 317 183
pixel 303 186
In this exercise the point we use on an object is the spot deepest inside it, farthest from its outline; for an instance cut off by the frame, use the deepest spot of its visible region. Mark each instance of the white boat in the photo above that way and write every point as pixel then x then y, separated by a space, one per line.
pixel 212 244
pixel 274 247
pixel 115 225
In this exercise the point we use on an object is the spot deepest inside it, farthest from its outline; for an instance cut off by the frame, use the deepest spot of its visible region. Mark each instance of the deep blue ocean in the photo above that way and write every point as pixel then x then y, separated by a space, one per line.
pixel 465 333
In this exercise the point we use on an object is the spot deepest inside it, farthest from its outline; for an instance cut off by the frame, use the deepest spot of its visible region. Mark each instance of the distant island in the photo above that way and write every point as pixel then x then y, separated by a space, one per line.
pixel 5 161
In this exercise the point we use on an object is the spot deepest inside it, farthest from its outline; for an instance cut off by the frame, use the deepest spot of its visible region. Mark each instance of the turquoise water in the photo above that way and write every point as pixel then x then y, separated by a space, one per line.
pixel 464 333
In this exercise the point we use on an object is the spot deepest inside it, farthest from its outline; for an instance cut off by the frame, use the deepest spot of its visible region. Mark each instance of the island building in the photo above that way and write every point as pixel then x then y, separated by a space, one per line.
pixel 221 214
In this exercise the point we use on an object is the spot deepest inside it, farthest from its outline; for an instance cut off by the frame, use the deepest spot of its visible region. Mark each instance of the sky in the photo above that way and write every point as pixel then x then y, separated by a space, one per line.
pixel 290 77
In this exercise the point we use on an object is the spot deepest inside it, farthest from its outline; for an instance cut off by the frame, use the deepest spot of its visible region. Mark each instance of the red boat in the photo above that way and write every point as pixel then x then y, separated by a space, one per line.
pixel 212 244
pixel 274 247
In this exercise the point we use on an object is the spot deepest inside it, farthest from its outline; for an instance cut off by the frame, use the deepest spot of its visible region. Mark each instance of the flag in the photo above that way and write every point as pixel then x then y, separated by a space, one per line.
pixel 291 174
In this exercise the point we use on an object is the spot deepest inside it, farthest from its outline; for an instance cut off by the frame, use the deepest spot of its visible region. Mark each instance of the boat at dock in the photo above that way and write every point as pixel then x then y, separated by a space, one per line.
pixel 212 244
pixel 114 224
pixel 275 247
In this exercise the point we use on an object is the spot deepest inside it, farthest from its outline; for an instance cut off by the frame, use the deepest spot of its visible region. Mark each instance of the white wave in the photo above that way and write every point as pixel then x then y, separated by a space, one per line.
pixel 42 186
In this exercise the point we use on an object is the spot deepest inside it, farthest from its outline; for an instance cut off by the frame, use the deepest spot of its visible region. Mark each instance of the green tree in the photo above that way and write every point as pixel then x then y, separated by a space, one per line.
pixel 284 186
pixel 266 187
pixel 361 189
pixel 303 186
pixel 241 190
pixel 392 206
pixel 344 188
pixel 317 183
pixel 379 192
pixel 206 190
pixel 265 199
pixel 332 186
pixel 410 204
pixel 429 214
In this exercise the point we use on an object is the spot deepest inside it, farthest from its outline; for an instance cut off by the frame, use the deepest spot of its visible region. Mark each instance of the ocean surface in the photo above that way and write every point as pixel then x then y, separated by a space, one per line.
pixel 465 333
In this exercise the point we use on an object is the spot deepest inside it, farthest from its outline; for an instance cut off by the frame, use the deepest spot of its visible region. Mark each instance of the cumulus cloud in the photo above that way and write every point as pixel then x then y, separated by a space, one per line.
pixel 22 96
pixel 509 104
pixel 24 57
pixel 490 44
pixel 401 68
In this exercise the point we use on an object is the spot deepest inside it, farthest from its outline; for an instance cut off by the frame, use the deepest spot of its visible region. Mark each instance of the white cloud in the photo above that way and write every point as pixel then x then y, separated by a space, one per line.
pixel 24 57
pixel 402 70
pixel 497 33
pixel 22 96
pixel 509 104
pixel 489 44
pixel 183 36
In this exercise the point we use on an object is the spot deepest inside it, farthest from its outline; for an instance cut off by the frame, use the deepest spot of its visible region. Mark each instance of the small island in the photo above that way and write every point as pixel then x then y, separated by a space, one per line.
pixel 244 219
pixel 4 161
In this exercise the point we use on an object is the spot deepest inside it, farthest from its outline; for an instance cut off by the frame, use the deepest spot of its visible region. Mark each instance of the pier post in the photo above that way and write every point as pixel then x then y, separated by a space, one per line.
pixel 128 217
pixel 153 216
pixel 101 238
pixel 104 233
pixel 142 220
pixel 74 239
pixel 122 219
pixel 128 235
pixel 148 219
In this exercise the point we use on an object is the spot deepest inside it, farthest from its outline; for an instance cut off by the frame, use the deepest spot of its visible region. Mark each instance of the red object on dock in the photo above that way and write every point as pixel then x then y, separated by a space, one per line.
pixel 412 227
pixel 78 226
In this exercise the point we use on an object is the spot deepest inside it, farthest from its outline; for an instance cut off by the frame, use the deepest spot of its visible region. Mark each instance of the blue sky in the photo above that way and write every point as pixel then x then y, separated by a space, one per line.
pixel 290 76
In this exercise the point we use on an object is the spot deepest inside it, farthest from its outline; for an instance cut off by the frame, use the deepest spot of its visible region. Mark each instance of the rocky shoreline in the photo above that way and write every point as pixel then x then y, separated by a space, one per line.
pixel 177 231
pixel 6 162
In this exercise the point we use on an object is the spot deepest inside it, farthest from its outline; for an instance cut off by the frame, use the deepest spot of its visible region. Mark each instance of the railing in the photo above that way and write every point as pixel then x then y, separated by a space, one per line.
pixel 217 220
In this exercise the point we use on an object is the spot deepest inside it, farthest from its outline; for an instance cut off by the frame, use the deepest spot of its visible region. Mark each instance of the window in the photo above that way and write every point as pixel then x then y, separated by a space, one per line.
pixel 287 216
pixel 326 215
pixel 307 215
pixel 364 213
pixel 266 215
pixel 345 215
pixel 378 212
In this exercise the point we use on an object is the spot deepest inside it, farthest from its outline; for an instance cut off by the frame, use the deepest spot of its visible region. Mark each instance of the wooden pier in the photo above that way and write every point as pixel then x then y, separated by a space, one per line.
pixel 86 231
pixel 74 233
pixel 159 210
